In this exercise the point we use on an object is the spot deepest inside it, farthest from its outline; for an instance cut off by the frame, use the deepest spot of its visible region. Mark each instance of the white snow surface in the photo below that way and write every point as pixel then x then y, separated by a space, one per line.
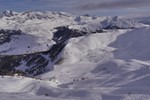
pixel 114 65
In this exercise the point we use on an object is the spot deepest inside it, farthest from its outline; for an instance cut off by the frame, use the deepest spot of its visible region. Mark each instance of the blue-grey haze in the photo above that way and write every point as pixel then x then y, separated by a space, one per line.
pixel 80 7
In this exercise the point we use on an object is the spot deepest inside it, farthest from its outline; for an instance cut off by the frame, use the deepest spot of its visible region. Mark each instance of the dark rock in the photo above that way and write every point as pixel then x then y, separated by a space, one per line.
pixel 6 35
pixel 33 63
pixel 63 33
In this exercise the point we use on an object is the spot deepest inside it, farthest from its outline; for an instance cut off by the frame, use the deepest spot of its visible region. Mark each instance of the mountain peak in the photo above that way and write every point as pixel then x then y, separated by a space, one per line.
pixel 8 13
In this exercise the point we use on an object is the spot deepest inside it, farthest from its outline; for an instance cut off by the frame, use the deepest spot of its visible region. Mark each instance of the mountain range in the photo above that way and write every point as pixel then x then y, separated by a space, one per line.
pixel 64 56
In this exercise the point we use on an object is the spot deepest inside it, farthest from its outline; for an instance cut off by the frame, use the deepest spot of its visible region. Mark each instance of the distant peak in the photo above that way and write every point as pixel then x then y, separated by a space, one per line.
pixel 8 13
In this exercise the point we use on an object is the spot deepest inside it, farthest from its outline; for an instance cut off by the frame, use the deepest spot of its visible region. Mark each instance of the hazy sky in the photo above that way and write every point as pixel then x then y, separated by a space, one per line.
pixel 93 7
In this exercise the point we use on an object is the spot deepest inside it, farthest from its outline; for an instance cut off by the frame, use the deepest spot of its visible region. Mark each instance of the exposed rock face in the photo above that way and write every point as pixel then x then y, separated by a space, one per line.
pixel 6 35
pixel 64 33
pixel 31 64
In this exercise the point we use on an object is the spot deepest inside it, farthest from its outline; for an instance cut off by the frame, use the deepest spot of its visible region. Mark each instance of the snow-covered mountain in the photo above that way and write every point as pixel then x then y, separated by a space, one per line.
pixel 73 57
pixel 24 36
pixel 120 23
pixel 38 28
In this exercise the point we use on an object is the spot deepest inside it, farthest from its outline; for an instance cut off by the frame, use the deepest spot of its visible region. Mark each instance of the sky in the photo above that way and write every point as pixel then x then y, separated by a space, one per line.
pixel 80 7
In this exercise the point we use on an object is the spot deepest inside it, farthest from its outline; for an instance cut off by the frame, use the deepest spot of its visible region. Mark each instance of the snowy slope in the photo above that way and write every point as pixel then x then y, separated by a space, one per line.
pixel 99 58
pixel 119 44
pixel 118 80
pixel 90 48
pixel 113 65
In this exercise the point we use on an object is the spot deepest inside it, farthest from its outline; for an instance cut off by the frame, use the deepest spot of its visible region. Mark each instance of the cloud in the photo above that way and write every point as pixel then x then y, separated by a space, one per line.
pixel 113 4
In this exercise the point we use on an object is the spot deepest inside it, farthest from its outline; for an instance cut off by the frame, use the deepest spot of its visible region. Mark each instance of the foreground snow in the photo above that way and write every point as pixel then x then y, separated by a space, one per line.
pixel 91 82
